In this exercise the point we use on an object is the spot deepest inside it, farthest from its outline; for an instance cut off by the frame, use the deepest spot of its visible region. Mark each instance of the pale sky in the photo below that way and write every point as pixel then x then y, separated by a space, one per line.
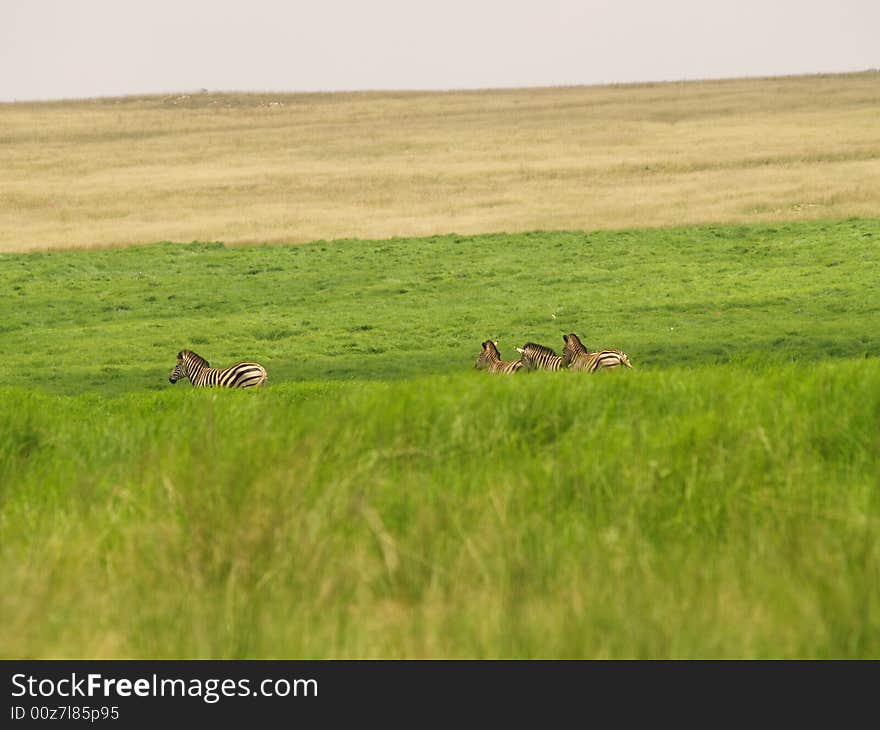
pixel 53 49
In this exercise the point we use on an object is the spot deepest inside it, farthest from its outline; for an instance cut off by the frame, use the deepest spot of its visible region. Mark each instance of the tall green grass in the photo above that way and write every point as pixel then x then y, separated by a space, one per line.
pixel 706 512
pixel 381 499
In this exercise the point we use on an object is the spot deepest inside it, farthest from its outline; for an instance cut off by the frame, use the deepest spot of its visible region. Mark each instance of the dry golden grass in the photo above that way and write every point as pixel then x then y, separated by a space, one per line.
pixel 259 167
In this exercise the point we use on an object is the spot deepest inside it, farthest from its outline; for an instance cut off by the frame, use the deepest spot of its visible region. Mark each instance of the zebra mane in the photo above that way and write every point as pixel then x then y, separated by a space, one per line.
pixel 575 342
pixel 539 349
pixel 195 358
pixel 492 347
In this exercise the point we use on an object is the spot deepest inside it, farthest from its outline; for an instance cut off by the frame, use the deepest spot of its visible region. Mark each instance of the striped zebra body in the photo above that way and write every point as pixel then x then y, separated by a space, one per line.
pixel 538 357
pixel 202 375
pixel 577 357
pixel 490 360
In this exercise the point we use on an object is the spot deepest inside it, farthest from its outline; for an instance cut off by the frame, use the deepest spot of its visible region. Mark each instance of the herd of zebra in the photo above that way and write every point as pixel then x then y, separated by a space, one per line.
pixel 575 356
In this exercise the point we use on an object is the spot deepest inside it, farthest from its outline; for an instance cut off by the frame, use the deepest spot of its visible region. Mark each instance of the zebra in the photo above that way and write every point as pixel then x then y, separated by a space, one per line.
pixel 490 359
pixel 538 357
pixel 202 375
pixel 577 357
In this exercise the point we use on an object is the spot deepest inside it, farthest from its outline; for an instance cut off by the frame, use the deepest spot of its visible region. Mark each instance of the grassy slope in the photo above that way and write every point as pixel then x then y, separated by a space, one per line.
pixel 113 320
pixel 255 168
pixel 720 500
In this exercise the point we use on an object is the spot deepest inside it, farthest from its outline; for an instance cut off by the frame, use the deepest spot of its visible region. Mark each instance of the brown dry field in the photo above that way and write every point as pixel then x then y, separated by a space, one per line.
pixel 245 168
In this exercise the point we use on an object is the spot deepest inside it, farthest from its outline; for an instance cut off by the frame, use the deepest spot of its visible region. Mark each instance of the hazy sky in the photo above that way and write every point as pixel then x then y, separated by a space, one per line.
pixel 53 49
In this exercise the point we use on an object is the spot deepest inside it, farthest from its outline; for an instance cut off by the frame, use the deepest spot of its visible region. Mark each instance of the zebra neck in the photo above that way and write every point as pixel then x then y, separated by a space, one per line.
pixel 196 374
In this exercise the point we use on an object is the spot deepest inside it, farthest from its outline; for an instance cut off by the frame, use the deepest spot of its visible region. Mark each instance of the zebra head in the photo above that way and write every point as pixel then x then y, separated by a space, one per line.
pixel 488 354
pixel 573 346
pixel 187 362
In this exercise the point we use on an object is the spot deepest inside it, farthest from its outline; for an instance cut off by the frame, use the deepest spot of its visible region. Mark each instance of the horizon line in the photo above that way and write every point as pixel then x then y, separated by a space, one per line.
pixel 445 90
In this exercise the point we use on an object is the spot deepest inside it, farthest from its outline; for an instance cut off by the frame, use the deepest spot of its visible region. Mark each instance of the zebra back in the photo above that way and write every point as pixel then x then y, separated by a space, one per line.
pixel 539 357
pixel 602 359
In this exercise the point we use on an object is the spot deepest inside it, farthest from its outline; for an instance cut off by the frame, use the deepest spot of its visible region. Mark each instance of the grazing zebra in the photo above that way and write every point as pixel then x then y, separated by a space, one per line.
pixel 538 357
pixel 490 359
pixel 202 375
pixel 577 357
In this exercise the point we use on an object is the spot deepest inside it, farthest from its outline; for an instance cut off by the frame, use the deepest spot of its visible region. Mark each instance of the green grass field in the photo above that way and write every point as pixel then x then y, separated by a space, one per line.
pixel 380 498
pixel 112 321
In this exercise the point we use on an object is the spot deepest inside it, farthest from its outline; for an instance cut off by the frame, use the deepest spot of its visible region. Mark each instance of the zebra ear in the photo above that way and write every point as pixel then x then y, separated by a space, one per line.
pixel 180 355
pixel 565 338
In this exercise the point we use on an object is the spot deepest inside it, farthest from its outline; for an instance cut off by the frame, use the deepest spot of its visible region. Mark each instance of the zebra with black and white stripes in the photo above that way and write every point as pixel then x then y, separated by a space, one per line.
pixel 490 359
pixel 538 357
pixel 202 375
pixel 577 357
